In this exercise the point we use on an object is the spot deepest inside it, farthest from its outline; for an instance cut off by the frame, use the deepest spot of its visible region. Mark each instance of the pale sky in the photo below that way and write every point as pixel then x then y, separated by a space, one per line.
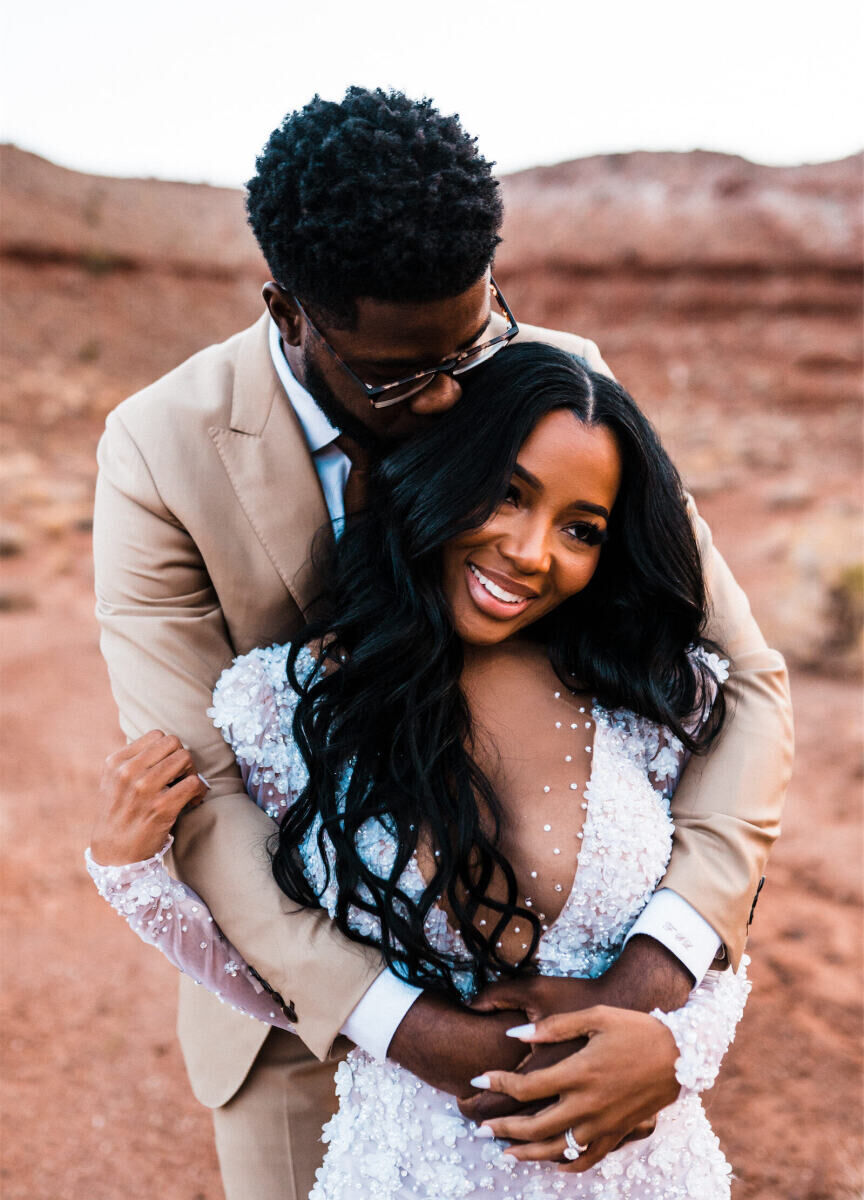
pixel 191 90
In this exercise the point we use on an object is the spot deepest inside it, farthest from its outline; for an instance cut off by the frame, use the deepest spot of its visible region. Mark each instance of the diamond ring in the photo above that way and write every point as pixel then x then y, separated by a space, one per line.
pixel 573 1149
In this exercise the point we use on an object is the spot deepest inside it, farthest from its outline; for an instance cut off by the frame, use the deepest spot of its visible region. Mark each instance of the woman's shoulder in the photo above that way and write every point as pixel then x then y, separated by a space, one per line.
pixel 256 686
pixel 716 664
pixel 653 746
pixel 254 703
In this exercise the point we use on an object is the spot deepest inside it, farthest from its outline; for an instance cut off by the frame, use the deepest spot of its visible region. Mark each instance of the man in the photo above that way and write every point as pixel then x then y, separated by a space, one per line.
pixel 379 221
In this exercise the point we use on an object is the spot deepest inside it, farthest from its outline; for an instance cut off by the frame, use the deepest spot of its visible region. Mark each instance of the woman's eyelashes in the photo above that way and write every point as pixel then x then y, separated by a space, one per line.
pixel 587 532
pixel 511 496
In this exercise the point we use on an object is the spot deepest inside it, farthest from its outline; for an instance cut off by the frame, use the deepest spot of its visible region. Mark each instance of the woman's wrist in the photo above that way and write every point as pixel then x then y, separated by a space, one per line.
pixel 97 857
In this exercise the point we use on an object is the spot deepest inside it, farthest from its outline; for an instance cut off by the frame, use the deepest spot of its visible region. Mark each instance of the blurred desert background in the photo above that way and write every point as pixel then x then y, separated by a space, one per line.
pixel 727 297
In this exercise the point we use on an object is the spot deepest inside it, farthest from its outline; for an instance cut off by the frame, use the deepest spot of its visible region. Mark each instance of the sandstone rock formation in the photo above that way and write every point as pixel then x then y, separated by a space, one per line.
pixel 726 295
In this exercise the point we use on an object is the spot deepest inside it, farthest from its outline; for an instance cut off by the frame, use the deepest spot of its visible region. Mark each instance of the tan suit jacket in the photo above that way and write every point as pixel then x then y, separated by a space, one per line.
pixel 206 506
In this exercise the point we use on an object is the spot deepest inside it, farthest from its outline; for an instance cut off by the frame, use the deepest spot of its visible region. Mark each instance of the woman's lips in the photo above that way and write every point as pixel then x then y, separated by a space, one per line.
pixel 492 598
pixel 511 587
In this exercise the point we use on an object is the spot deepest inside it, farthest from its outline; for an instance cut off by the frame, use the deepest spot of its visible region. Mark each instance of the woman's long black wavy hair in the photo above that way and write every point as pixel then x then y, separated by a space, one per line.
pixel 394 709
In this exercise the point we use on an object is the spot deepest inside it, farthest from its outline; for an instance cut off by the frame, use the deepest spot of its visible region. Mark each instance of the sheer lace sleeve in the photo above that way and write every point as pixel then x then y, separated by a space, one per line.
pixel 170 916
pixel 704 1028
pixel 253 705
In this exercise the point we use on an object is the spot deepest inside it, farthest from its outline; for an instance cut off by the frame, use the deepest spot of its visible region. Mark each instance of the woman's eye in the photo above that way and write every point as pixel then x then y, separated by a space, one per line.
pixel 511 496
pixel 587 532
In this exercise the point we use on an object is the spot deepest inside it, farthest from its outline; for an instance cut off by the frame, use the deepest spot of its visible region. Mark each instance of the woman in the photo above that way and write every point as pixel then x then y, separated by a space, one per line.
pixel 472 751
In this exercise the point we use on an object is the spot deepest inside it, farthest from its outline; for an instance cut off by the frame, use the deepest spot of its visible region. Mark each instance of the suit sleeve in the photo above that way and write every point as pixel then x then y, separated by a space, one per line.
pixel 165 642
pixel 591 353
pixel 728 804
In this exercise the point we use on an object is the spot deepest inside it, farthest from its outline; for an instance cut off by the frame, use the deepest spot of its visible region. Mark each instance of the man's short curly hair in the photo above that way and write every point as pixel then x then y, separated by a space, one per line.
pixel 377 196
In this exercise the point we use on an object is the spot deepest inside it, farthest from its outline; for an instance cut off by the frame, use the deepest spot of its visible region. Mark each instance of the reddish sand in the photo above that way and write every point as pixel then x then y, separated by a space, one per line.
pixel 754 382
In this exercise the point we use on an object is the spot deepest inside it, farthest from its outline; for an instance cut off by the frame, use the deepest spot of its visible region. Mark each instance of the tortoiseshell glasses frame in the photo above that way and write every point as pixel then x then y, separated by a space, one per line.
pixel 386 394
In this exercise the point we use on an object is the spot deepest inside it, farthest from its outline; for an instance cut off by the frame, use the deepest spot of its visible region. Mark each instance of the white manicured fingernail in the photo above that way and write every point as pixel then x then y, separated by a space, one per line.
pixel 481 1081
pixel 203 780
pixel 522 1031
pixel 484 1132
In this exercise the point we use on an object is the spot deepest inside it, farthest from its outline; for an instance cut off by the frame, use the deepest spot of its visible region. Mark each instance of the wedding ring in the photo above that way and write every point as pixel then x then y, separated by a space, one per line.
pixel 573 1149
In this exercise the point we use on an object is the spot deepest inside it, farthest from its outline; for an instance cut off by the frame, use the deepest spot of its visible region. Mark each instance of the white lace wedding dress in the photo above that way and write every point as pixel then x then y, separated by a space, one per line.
pixel 393 1135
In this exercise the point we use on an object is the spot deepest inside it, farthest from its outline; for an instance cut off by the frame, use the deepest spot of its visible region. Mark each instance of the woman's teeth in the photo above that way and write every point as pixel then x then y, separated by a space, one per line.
pixel 493 589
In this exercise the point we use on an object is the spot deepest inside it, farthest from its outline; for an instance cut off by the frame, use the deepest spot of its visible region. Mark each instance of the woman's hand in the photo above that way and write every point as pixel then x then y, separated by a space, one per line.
pixel 623 1046
pixel 144 788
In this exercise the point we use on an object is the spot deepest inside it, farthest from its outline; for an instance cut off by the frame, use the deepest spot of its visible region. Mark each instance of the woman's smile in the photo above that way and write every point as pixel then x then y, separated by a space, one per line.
pixel 495 594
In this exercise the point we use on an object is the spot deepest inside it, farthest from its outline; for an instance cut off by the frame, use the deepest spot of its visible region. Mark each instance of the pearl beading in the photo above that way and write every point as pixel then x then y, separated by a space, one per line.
pixel 547 789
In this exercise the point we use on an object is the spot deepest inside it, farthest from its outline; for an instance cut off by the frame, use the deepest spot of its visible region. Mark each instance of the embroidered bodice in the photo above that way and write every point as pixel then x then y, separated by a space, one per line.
pixel 408 1130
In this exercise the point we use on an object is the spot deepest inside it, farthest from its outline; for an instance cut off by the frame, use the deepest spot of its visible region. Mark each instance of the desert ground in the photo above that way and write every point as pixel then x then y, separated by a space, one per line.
pixel 727 297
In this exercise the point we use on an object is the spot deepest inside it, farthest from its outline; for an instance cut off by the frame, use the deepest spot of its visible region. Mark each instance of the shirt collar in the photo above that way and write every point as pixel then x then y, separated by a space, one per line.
pixel 316 428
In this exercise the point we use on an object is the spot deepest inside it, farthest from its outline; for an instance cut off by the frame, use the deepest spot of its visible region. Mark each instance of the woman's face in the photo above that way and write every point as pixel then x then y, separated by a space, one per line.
pixel 543 544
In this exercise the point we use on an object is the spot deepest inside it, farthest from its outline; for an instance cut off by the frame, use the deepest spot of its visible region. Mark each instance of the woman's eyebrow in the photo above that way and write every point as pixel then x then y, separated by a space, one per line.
pixel 583 505
pixel 530 479
pixel 587 506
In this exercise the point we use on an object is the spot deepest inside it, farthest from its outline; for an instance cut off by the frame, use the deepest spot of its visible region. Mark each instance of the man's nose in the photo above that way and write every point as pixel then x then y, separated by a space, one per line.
pixel 442 393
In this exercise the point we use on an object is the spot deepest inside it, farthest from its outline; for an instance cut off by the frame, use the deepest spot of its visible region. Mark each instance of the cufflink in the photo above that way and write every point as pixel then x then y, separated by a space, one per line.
pixel 755 898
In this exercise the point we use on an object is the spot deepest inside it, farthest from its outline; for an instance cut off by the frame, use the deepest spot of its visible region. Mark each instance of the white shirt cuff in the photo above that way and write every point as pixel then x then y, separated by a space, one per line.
pixel 379 1013
pixel 670 920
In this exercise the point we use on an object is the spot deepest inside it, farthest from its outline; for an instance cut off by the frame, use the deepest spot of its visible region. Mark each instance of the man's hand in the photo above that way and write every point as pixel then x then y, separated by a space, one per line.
pixel 622 1044
pixel 646 976
pixel 446 1045
pixel 144 788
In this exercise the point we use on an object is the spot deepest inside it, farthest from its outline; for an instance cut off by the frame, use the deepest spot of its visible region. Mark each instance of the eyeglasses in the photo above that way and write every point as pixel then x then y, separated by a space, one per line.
pixel 386 394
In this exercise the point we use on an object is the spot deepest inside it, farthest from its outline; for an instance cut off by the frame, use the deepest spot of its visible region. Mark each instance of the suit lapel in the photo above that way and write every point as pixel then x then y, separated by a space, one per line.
pixel 270 468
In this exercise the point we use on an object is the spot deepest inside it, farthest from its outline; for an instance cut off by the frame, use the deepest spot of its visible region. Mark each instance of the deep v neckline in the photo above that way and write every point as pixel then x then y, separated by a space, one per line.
pixel 585 851
pixel 587 830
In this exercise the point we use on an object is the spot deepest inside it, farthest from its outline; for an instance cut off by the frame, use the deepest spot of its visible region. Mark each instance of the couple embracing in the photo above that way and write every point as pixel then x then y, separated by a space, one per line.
pixel 501 753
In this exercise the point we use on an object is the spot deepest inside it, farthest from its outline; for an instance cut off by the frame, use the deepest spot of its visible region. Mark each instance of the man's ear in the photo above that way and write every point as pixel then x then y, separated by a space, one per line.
pixel 284 312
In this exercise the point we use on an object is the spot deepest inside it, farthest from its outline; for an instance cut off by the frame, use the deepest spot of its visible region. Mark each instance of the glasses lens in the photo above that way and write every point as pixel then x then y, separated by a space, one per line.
pixel 402 391
pixel 474 357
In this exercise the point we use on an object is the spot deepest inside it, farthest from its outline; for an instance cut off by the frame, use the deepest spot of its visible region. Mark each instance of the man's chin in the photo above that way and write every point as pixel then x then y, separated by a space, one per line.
pixel 335 411
pixel 391 425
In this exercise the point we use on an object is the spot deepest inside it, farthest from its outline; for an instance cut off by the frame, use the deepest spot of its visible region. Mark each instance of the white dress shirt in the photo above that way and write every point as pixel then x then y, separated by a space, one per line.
pixel 330 463
pixel 667 917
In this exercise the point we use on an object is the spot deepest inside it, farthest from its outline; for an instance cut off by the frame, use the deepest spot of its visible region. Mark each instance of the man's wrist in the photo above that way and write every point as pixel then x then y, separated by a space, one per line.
pixel 646 976
pixel 674 922
pixel 379 1012
pixel 446 1044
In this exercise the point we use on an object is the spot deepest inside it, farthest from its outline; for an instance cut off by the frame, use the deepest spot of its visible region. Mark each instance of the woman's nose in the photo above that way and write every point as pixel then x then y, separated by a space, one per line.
pixel 528 549
pixel 442 393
